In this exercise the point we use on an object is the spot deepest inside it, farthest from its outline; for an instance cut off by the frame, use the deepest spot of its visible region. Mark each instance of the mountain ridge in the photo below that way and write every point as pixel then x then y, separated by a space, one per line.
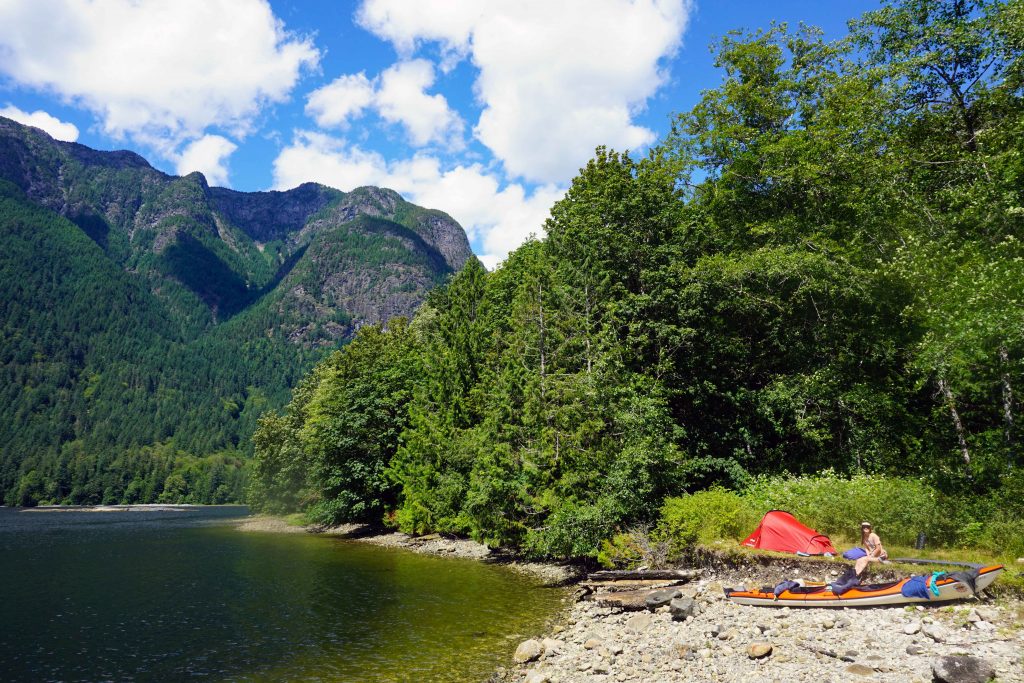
pixel 296 272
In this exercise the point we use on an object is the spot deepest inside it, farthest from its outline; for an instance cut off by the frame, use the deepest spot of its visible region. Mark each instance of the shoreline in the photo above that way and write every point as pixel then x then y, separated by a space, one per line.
pixel 551 574
pixel 592 639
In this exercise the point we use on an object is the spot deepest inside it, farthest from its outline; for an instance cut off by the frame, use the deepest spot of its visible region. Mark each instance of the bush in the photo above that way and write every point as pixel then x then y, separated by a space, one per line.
pixel 634 548
pixel 704 517
pixel 1004 535
pixel 899 508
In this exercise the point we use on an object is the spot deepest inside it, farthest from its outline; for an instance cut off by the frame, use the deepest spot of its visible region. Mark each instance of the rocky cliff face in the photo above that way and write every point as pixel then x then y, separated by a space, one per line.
pixel 325 261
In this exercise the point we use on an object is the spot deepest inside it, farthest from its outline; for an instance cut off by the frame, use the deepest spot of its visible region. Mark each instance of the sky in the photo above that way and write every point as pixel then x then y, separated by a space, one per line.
pixel 484 109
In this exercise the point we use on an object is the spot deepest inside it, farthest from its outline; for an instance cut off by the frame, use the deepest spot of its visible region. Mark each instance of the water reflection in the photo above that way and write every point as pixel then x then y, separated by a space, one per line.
pixel 169 595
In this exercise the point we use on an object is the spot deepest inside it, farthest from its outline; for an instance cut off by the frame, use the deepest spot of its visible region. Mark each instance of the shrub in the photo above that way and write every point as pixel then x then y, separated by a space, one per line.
pixel 1004 535
pixel 899 508
pixel 704 517
pixel 634 548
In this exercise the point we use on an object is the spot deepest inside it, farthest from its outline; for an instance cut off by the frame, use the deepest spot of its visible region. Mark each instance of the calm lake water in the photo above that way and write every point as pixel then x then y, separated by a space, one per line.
pixel 112 596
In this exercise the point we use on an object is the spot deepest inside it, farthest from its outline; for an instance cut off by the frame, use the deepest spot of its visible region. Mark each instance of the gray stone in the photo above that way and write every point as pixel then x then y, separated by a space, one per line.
pixel 638 623
pixel 592 643
pixel 915 650
pixel 962 669
pixel 860 670
pixel 659 598
pixel 537 677
pixel 935 632
pixel 682 608
pixel 988 614
pixel 528 651
pixel 912 628
pixel 729 634
pixel 551 646
pixel 842 623
pixel 759 650
pixel 716 629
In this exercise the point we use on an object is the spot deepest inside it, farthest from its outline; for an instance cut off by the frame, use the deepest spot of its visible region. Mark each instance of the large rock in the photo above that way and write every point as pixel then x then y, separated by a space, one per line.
pixel 551 646
pixel 638 623
pixel 962 669
pixel 912 628
pixel 759 650
pixel 528 651
pixel 935 632
pixel 681 608
pixel 659 598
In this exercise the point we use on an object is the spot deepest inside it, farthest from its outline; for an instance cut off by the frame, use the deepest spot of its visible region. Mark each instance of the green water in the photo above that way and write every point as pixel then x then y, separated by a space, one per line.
pixel 90 596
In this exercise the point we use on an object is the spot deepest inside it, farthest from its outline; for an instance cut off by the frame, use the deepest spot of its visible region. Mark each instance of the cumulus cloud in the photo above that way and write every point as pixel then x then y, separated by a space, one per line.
pixel 555 79
pixel 208 155
pixel 342 99
pixel 399 95
pixel 497 217
pixel 159 69
pixel 58 130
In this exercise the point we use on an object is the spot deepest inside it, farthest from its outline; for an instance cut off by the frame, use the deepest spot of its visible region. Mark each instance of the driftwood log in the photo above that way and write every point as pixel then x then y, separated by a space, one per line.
pixel 645 574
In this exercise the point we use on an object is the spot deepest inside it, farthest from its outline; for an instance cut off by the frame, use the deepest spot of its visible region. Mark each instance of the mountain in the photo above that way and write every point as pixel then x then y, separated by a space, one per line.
pixel 146 320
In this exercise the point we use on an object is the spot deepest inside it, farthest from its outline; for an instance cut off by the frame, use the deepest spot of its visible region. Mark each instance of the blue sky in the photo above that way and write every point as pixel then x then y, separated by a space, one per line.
pixel 482 108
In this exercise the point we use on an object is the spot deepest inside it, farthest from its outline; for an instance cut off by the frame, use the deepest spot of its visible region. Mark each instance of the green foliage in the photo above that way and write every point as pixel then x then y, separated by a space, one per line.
pixel 705 517
pixel 899 508
pixel 808 293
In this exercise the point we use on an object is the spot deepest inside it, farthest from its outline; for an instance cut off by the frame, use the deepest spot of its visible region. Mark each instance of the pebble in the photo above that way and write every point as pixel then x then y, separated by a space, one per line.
pixel 759 650
pixel 912 628
pixel 860 670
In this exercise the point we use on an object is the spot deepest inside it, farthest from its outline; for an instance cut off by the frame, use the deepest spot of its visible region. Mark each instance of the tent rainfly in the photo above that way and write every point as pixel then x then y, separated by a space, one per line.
pixel 779 530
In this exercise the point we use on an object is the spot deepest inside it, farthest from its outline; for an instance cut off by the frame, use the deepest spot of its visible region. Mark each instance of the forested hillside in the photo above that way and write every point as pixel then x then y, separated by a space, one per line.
pixel 819 268
pixel 148 320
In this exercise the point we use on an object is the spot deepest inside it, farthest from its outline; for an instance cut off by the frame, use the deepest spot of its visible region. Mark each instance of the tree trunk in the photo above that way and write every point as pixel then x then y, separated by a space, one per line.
pixel 1004 358
pixel 955 416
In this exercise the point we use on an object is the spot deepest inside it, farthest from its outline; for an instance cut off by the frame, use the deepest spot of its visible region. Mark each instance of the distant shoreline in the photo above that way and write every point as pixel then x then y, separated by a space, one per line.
pixel 141 507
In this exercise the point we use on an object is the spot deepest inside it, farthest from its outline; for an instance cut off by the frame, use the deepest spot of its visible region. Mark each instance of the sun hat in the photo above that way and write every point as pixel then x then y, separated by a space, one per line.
pixel 864 524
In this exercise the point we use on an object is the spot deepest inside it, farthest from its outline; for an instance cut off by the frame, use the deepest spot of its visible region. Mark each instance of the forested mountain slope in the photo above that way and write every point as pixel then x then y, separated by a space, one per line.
pixel 147 319
pixel 819 270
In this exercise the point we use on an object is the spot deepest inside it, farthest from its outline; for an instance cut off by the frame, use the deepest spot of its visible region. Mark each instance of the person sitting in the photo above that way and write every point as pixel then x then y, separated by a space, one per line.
pixel 873 545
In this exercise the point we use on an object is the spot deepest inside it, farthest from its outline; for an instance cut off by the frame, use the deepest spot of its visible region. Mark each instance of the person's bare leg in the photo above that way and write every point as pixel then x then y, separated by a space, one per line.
pixel 860 565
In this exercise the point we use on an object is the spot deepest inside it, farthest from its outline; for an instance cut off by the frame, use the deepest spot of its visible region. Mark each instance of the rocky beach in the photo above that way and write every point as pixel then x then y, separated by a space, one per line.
pixel 699 635
pixel 689 631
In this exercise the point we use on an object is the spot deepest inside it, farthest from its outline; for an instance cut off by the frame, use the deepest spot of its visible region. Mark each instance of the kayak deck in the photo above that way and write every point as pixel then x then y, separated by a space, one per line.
pixel 864 596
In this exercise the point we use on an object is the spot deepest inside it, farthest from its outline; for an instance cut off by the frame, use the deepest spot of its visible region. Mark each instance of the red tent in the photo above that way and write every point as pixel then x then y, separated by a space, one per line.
pixel 779 530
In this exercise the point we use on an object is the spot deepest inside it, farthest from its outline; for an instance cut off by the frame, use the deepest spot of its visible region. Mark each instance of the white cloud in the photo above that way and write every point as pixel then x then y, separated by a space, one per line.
pixel 58 130
pixel 155 68
pixel 405 24
pixel 498 218
pixel 400 97
pixel 344 98
pixel 556 79
pixel 208 155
